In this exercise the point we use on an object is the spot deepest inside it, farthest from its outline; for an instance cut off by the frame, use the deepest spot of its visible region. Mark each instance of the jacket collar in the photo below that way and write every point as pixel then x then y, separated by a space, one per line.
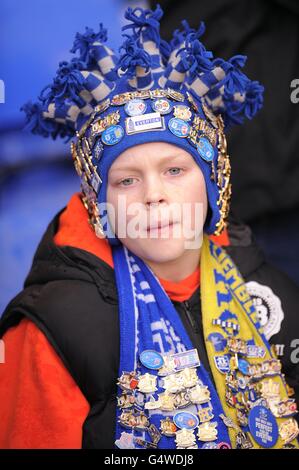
pixel 52 263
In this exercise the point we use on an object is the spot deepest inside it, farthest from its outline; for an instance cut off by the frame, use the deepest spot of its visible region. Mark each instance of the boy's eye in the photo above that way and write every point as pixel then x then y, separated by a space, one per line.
pixel 126 180
pixel 175 168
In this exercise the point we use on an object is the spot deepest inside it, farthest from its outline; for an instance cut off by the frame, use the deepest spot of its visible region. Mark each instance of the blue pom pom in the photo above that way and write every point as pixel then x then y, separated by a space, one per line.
pixel 194 56
pixel 134 55
pixel 35 121
pixel 67 84
pixel 234 80
pixel 236 111
pixel 179 36
pixel 237 85
pixel 83 42
pixel 254 98
pixel 146 21
pixel 37 124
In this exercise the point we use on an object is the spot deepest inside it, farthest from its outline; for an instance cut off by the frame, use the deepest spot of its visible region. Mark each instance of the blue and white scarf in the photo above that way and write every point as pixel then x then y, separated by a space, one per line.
pixel 148 320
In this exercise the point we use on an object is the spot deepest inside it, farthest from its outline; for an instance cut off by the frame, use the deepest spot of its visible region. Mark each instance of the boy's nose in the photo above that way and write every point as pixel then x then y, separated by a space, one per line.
pixel 154 192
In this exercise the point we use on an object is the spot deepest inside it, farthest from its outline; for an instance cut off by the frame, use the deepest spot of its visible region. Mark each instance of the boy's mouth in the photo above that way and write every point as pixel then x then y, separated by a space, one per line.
pixel 160 225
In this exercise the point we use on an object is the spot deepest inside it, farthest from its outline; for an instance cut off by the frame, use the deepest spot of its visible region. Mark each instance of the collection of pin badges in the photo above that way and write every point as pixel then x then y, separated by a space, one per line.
pixel 146 111
pixel 144 116
pixel 253 390
pixel 181 389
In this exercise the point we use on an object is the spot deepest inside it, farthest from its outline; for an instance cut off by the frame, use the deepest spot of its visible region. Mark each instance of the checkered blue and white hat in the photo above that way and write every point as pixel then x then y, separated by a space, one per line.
pixel 154 91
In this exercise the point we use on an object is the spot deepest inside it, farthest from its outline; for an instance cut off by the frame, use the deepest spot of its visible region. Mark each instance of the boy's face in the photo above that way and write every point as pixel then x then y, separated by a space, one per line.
pixel 156 184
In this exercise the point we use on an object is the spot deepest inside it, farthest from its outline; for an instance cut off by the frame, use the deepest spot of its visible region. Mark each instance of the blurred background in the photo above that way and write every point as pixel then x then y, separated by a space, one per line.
pixel 37 176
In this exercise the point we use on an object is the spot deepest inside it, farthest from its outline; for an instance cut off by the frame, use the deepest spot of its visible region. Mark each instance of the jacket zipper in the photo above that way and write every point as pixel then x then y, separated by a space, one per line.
pixel 189 315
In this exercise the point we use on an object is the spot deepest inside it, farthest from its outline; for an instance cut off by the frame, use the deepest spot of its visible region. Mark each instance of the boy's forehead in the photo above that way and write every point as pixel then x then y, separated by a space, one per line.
pixel 157 151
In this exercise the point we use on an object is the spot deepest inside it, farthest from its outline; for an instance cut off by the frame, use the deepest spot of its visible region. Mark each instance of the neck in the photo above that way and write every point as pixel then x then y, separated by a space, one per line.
pixel 176 269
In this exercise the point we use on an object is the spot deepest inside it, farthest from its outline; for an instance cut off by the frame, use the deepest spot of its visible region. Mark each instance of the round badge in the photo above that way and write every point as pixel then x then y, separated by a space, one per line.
pixel 135 107
pixel 162 106
pixel 205 149
pixel 112 135
pixel 263 426
pixel 186 420
pixel 243 366
pixel 268 307
pixel 178 127
pixel 151 359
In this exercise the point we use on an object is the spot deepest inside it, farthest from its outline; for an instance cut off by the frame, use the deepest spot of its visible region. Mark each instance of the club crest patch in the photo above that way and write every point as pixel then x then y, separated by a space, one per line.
pixel 268 307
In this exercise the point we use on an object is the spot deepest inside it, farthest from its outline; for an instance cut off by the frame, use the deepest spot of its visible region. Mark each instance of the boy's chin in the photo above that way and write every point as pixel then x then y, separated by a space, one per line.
pixel 158 250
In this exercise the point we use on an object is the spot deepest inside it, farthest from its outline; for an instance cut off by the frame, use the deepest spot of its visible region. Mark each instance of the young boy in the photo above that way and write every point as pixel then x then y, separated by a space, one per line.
pixel 134 328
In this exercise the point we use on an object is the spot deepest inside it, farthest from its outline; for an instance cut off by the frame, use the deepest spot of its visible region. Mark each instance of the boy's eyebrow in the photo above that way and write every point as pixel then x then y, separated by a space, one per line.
pixel 132 167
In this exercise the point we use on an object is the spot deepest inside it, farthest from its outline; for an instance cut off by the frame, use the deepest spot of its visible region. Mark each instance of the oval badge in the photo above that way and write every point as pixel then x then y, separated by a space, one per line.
pixel 205 149
pixel 151 359
pixel 162 106
pixel 135 107
pixel 179 127
pixel 112 135
pixel 186 420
